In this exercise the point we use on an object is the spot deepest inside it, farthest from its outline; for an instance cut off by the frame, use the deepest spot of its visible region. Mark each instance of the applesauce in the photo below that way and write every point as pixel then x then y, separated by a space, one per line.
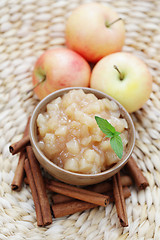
pixel 70 137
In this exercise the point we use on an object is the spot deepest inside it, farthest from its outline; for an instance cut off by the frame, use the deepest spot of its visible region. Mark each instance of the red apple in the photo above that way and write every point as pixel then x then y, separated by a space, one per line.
pixel 60 68
pixel 124 77
pixel 94 31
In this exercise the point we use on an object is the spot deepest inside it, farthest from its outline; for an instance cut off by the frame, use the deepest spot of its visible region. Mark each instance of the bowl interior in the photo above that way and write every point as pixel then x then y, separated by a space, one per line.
pixel 70 177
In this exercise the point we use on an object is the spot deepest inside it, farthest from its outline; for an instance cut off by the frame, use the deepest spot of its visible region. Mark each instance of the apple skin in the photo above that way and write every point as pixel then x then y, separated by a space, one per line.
pixel 87 34
pixel 133 90
pixel 61 68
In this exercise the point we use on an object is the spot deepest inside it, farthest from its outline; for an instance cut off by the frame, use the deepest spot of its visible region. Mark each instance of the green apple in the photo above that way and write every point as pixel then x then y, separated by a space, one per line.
pixel 124 77
pixel 94 30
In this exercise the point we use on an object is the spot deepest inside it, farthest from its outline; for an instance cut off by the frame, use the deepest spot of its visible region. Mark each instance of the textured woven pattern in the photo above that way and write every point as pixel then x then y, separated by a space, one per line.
pixel 27 29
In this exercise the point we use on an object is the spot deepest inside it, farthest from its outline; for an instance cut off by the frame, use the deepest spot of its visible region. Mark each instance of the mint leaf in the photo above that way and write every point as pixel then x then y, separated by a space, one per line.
pixel 110 132
pixel 117 145
pixel 105 126
pixel 116 134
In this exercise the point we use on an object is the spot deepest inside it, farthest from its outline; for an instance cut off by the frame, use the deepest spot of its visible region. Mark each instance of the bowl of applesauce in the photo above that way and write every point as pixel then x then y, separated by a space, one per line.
pixel 67 141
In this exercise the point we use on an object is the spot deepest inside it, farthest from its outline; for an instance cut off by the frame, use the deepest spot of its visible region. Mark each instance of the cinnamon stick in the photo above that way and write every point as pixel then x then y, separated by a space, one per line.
pixel 119 200
pixel 19 173
pixel 67 208
pixel 19 146
pixel 40 186
pixel 126 193
pixel 78 193
pixel 26 180
pixel 32 185
pixel 59 198
pixel 107 186
pixel 99 188
pixel 136 173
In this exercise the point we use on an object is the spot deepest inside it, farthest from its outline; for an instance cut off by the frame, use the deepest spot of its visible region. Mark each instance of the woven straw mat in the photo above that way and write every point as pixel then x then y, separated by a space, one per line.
pixel 27 29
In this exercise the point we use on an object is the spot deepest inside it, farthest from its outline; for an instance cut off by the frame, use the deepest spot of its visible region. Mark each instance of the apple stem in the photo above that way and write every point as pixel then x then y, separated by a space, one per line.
pixel 121 76
pixel 109 24
pixel 36 85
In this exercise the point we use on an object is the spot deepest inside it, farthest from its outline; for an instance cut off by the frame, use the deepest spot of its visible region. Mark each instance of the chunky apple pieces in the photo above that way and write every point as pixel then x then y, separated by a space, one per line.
pixel 70 137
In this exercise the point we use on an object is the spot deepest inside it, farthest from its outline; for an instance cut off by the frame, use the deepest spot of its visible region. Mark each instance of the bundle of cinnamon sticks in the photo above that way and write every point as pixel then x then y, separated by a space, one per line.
pixel 68 199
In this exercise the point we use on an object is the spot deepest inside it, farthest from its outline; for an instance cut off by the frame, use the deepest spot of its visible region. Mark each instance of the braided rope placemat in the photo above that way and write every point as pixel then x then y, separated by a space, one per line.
pixel 27 29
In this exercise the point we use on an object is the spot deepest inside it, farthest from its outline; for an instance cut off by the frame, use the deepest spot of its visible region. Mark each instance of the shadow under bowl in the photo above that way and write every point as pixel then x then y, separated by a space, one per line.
pixel 71 177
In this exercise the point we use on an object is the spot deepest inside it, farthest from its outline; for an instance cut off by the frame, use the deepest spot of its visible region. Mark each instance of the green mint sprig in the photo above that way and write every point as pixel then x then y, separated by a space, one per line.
pixel 110 132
